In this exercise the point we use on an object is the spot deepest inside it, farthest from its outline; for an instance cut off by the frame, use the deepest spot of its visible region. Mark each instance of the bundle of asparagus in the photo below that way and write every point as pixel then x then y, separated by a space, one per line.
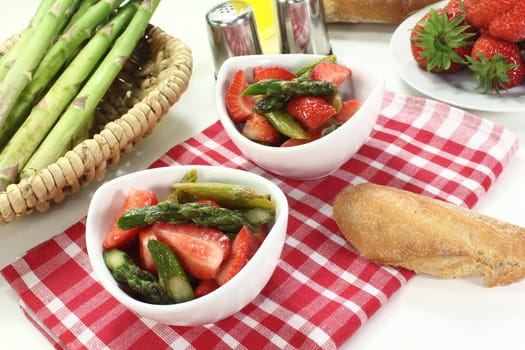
pixel 54 76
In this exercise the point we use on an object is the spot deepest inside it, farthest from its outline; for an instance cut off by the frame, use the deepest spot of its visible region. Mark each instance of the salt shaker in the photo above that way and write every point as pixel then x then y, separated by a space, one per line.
pixel 232 31
pixel 302 27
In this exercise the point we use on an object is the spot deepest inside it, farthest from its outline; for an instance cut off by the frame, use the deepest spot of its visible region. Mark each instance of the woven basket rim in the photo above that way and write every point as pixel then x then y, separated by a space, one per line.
pixel 89 160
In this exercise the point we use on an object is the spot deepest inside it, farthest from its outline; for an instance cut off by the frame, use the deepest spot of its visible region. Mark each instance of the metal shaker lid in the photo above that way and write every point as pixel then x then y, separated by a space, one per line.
pixel 232 31
pixel 302 26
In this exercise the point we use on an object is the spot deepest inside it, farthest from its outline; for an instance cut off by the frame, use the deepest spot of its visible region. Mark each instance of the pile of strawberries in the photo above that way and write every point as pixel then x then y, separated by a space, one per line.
pixel 487 36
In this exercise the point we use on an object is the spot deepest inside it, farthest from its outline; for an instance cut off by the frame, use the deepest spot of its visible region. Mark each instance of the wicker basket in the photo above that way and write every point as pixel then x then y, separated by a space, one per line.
pixel 152 80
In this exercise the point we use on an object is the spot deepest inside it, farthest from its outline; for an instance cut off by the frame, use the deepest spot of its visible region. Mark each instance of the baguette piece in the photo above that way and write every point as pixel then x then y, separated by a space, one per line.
pixel 373 11
pixel 395 227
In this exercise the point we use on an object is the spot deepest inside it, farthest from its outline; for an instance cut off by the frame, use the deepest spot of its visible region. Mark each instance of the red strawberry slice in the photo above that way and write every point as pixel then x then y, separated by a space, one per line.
pixel 272 72
pixel 145 258
pixel 243 247
pixel 239 107
pixel 200 249
pixel 348 109
pixel 205 286
pixel 310 111
pixel 329 71
pixel 260 234
pixel 314 135
pixel 259 129
pixel 296 142
pixel 117 237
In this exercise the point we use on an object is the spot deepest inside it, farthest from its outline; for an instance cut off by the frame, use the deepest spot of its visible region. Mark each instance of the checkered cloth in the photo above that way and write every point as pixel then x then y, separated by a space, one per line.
pixel 322 290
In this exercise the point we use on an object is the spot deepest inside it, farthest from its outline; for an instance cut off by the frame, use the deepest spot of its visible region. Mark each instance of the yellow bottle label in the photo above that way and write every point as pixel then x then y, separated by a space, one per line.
pixel 266 20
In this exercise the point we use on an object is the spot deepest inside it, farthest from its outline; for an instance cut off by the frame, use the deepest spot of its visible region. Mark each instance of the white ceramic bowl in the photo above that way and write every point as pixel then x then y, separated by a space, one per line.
pixel 224 301
pixel 323 156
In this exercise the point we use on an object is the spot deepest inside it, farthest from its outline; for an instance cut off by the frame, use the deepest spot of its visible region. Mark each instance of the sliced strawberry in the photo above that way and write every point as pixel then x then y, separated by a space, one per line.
pixel 259 129
pixel 146 261
pixel 243 247
pixel 310 111
pixel 239 107
pixel 205 286
pixel 296 142
pixel 260 234
pixel 348 109
pixel 200 249
pixel 272 72
pixel 329 71
pixel 117 237
pixel 314 135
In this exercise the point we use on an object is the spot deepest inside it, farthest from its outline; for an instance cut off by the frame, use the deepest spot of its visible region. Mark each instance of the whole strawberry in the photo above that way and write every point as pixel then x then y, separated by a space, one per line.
pixel 511 25
pixel 440 40
pixel 497 64
pixel 502 19
pixel 481 12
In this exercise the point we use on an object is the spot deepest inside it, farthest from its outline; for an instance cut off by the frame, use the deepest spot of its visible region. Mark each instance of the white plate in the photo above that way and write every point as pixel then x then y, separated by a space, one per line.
pixel 458 89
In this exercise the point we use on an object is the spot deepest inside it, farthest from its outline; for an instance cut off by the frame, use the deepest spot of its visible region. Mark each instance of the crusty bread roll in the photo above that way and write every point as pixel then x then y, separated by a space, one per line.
pixel 399 228
pixel 374 11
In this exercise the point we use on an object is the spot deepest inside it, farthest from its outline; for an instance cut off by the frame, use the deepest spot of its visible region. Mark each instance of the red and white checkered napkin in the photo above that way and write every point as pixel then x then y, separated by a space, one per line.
pixel 321 291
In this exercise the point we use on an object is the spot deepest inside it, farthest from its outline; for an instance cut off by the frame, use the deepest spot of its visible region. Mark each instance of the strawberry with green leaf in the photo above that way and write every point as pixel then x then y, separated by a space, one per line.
pixel 441 39
pixel 497 64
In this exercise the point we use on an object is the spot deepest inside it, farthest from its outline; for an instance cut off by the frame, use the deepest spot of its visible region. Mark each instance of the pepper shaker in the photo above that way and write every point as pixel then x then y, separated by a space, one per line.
pixel 302 27
pixel 232 31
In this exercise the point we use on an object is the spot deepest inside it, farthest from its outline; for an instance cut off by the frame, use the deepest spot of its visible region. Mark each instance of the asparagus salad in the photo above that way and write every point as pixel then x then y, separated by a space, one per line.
pixel 286 108
pixel 188 244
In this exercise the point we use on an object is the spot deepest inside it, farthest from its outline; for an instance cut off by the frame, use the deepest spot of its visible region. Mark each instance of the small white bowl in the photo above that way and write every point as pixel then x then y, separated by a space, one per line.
pixel 321 157
pixel 224 301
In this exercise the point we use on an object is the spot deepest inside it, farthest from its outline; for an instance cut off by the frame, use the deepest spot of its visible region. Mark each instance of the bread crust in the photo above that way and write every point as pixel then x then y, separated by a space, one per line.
pixel 373 11
pixel 399 228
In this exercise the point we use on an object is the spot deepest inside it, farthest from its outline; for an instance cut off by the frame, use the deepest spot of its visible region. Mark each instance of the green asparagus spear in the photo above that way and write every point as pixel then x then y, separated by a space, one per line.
pixel 270 103
pixel 80 11
pixel 58 55
pixel 304 72
pixel 44 115
pixel 166 211
pixel 224 219
pixel 172 277
pixel 30 55
pixel 179 196
pixel 137 282
pixel 296 86
pixel 11 55
pixel 286 124
pixel 79 114
pixel 227 195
